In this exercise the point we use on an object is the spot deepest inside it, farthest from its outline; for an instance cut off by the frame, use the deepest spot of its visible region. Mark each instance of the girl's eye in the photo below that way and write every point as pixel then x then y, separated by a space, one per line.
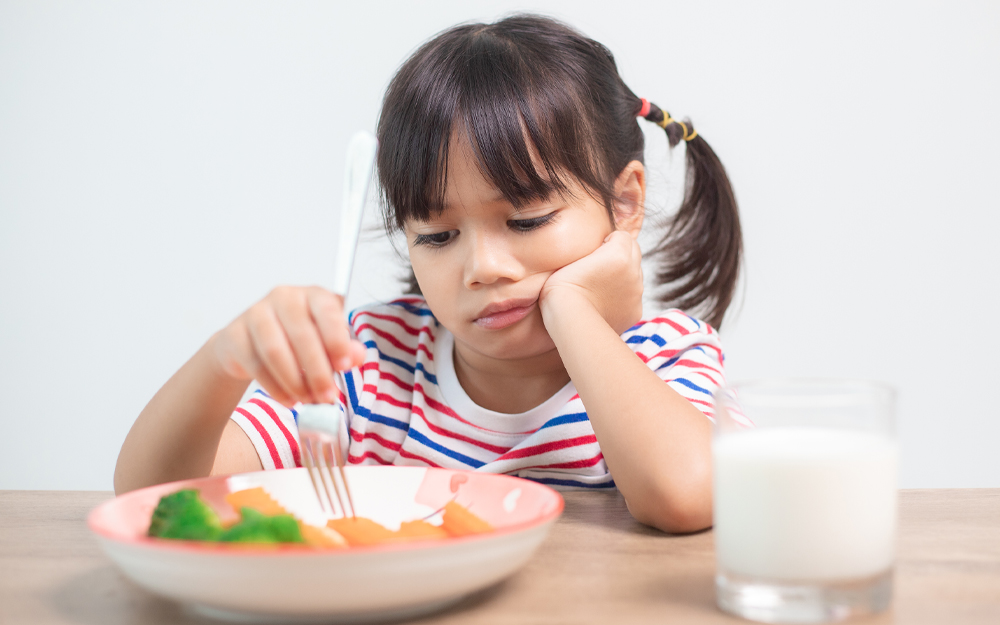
pixel 526 225
pixel 437 239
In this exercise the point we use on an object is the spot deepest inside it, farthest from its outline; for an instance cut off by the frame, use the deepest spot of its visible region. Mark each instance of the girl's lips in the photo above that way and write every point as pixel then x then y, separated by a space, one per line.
pixel 502 319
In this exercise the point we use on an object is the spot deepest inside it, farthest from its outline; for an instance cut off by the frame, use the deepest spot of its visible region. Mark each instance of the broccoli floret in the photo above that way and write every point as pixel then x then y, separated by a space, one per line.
pixel 185 515
pixel 261 528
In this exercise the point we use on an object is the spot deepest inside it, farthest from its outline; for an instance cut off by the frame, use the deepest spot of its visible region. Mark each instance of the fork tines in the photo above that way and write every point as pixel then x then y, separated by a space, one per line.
pixel 319 436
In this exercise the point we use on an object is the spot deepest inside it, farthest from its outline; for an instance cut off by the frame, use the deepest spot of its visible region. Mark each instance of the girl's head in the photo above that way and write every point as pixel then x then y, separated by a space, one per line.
pixel 508 150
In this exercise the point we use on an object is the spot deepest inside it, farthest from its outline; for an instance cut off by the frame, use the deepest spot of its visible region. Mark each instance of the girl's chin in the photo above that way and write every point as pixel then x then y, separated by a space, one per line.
pixel 509 343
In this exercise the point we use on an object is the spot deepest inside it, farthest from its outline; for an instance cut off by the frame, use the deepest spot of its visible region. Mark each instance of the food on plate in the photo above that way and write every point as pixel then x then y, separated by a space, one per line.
pixel 255 527
pixel 185 515
pixel 360 531
pixel 458 521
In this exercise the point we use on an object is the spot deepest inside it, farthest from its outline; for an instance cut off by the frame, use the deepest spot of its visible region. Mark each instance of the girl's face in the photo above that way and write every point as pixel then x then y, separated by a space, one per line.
pixel 481 264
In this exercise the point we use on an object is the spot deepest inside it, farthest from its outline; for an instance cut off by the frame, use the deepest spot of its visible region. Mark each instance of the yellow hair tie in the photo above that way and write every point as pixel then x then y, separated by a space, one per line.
pixel 667 120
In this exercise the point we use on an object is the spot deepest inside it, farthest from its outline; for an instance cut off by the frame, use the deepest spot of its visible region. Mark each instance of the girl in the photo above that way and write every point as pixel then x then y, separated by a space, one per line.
pixel 511 158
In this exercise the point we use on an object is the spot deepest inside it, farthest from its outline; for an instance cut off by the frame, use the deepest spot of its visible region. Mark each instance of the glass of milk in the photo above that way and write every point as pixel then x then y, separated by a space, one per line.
pixel 805 499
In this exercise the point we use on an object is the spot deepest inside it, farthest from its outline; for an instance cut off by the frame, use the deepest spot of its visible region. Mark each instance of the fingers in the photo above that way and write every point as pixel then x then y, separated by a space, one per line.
pixel 292 342
pixel 307 346
pixel 327 312
pixel 273 351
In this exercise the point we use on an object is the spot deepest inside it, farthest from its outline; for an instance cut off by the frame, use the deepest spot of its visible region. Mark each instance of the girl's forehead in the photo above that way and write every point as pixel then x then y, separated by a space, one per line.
pixel 467 187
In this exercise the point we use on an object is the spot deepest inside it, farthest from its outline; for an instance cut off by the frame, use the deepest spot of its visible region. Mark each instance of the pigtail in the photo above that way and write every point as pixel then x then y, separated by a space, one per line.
pixel 701 250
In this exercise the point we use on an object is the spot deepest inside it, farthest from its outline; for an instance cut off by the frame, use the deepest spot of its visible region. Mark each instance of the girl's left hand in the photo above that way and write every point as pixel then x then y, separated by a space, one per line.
pixel 609 279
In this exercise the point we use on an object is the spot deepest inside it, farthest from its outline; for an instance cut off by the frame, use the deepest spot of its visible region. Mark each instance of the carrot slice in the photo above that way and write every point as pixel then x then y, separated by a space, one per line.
pixel 420 530
pixel 256 498
pixel 458 521
pixel 360 531
pixel 322 537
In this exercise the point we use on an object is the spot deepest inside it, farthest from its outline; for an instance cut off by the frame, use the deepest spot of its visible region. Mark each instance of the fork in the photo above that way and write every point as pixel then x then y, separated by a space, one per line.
pixel 319 440
pixel 319 424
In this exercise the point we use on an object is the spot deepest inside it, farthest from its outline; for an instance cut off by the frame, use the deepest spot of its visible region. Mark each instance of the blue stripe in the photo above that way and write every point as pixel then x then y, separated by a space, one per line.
pixel 430 377
pixel 656 338
pixel 696 322
pixel 382 356
pixel 378 418
pixel 361 411
pixel 555 482
pixel 420 438
pixel 692 386
pixel 668 363
pixel 423 312
pixel 566 418
pixel 261 391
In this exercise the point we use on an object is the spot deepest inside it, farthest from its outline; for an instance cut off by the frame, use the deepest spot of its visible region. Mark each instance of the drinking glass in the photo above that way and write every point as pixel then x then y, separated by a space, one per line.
pixel 804 499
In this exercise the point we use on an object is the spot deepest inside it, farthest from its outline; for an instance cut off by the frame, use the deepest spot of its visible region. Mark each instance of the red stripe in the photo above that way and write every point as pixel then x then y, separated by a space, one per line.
pixel 408 328
pixel 368 454
pixel 389 399
pixel 385 375
pixel 535 450
pixel 368 366
pixel 388 337
pixel 657 320
pixel 278 464
pixel 676 326
pixel 417 410
pixel 687 362
pixel 406 454
pixel 378 439
pixel 576 464
pixel 369 388
pixel 698 401
pixel 708 377
pixel 281 426
pixel 668 353
pixel 445 410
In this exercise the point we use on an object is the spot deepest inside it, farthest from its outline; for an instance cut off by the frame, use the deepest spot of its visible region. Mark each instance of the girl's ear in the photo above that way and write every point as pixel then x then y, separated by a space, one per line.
pixel 630 205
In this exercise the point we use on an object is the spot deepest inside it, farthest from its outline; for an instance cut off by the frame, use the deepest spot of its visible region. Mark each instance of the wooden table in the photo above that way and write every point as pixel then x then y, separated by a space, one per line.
pixel 598 566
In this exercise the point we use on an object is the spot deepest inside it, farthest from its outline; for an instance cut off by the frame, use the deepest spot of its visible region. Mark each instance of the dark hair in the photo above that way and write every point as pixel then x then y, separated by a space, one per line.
pixel 530 78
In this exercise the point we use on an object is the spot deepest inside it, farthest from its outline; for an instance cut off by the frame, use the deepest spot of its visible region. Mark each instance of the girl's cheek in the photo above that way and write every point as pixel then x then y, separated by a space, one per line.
pixel 562 245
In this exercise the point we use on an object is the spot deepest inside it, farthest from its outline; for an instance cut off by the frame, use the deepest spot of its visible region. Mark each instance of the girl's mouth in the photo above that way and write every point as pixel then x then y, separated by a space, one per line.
pixel 502 314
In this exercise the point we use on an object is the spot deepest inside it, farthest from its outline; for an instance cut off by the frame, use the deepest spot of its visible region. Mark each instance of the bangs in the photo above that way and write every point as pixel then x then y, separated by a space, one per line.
pixel 523 106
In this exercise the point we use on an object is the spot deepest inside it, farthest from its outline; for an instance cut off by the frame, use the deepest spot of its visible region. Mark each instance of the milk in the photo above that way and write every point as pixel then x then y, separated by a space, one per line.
pixel 804 503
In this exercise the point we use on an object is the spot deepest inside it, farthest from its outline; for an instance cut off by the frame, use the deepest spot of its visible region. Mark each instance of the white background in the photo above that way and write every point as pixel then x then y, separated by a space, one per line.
pixel 164 164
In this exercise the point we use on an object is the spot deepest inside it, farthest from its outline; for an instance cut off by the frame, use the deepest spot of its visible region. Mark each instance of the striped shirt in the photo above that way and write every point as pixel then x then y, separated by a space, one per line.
pixel 405 406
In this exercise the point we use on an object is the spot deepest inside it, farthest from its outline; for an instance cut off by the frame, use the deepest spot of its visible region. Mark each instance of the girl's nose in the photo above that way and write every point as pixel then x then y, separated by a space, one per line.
pixel 489 261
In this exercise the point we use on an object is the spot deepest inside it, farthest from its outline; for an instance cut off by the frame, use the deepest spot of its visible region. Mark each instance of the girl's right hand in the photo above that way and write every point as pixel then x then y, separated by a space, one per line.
pixel 291 342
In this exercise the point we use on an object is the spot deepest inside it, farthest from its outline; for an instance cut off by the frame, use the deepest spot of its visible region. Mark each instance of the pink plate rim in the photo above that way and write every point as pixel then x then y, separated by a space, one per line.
pixel 192 546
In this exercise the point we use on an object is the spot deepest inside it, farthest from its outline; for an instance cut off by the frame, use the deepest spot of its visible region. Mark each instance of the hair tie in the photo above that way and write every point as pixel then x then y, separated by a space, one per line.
pixel 667 120
pixel 644 110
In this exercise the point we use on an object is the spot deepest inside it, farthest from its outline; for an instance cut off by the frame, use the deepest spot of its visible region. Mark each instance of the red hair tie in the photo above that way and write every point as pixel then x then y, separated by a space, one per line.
pixel 644 111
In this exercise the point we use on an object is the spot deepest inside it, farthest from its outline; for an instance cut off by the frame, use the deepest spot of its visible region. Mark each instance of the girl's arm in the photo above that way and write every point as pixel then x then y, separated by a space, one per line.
pixel 657 445
pixel 291 342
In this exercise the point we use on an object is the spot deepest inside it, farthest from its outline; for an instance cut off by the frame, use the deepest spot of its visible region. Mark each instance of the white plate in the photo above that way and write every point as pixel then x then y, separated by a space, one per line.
pixel 357 584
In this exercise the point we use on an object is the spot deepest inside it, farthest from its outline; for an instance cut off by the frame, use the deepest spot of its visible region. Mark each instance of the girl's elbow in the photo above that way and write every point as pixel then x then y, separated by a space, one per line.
pixel 675 512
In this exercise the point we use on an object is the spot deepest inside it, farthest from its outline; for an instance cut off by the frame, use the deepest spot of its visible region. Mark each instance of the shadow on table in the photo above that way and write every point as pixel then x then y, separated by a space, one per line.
pixel 105 597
